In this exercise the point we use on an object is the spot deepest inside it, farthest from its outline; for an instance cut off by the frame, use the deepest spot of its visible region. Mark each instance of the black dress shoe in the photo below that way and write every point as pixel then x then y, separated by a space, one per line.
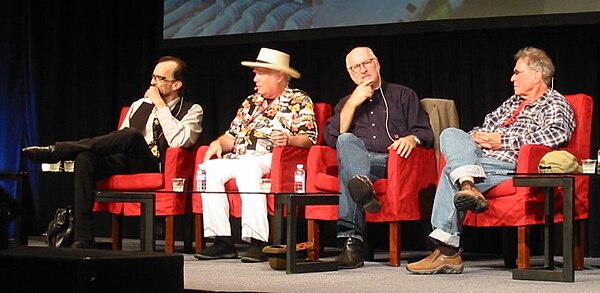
pixel 85 244
pixel 255 252
pixel 222 248
pixel 351 256
pixel 362 192
pixel 41 154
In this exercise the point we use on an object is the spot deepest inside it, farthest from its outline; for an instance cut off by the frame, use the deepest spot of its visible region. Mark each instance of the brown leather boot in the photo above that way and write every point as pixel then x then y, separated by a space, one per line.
pixel 438 263
pixel 469 198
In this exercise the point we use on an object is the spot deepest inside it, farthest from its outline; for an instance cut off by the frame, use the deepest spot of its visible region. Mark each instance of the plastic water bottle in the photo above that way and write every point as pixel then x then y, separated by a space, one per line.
pixel 300 179
pixel 200 179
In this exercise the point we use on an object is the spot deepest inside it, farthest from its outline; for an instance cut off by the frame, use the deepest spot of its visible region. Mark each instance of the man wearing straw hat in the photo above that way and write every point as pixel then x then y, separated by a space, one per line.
pixel 276 115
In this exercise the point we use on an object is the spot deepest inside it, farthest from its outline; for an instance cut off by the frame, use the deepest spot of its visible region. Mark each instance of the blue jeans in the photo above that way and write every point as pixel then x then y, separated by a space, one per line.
pixel 355 159
pixel 463 158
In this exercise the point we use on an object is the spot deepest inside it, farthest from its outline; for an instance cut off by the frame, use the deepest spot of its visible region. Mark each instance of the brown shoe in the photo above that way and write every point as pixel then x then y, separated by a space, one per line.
pixel 469 198
pixel 437 263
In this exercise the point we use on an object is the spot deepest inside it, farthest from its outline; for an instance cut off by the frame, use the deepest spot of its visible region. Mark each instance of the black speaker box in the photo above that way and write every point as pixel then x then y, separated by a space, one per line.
pixel 45 269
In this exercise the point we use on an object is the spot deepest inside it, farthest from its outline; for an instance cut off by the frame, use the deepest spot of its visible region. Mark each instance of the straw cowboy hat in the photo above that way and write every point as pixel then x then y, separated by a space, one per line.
pixel 275 60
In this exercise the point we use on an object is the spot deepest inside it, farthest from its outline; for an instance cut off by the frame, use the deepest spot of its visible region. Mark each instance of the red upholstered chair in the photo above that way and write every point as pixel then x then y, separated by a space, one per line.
pixel 178 164
pixel 283 166
pixel 406 195
pixel 523 207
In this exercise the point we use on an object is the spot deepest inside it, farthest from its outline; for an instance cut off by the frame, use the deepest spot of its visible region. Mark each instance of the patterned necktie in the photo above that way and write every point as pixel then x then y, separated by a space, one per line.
pixel 156 133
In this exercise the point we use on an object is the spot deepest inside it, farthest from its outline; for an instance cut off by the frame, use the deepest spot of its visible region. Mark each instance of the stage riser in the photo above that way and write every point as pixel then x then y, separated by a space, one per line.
pixel 40 269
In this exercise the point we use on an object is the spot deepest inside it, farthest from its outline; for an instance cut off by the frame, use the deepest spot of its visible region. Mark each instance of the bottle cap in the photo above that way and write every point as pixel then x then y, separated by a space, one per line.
pixel 299 166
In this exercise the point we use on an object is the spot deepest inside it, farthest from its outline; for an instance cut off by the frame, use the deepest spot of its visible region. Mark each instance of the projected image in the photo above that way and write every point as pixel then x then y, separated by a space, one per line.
pixel 199 18
pixel 184 19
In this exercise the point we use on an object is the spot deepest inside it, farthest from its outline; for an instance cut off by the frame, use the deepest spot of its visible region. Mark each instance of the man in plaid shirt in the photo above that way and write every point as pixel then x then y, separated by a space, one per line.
pixel 482 158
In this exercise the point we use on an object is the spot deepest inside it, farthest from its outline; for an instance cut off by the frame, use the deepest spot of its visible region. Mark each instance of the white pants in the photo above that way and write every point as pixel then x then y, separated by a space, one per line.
pixel 247 171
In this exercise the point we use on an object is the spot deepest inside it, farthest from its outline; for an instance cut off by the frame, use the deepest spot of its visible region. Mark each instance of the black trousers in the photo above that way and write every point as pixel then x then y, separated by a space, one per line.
pixel 119 152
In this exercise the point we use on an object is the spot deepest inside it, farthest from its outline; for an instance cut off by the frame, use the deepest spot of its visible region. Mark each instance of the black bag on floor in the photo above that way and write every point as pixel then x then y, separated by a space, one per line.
pixel 60 229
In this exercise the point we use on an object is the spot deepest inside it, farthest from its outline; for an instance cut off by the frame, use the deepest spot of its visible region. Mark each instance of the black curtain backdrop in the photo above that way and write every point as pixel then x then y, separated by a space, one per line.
pixel 92 58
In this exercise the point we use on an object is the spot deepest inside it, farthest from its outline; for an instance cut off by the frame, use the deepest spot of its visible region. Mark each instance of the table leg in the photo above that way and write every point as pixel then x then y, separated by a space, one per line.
pixel 293 201
pixel 548 273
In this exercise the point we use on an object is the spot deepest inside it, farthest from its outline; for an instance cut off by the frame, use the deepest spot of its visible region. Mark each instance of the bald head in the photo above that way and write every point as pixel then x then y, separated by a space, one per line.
pixel 359 52
pixel 363 66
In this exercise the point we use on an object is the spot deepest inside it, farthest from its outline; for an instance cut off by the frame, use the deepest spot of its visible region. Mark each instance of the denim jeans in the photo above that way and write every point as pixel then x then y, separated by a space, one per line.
pixel 463 158
pixel 355 159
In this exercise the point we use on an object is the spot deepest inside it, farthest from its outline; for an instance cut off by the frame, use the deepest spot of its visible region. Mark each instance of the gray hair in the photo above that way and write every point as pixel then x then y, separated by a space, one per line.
pixel 537 59
pixel 369 52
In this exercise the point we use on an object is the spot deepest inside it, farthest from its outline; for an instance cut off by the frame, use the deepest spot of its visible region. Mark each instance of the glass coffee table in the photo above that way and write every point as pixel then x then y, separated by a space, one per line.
pixel 292 201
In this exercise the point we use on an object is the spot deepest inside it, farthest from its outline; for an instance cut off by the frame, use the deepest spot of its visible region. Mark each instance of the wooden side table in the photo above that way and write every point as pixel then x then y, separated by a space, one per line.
pixel 549 272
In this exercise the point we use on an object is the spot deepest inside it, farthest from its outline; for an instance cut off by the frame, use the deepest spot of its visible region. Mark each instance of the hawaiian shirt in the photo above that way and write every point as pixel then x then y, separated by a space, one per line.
pixel 257 117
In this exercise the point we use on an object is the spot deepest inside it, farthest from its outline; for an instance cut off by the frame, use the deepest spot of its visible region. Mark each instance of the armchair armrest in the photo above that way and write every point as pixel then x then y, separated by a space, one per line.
pixel 179 164
pixel 410 182
pixel 283 165
pixel 322 169
pixel 529 158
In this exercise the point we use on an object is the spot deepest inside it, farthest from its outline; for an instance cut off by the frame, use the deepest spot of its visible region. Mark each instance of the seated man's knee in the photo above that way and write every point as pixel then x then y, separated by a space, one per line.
pixel 131 134
pixel 345 138
pixel 451 134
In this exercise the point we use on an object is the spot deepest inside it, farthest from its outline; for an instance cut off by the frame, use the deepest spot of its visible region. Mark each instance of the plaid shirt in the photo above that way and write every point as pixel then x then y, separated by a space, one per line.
pixel 548 121
pixel 257 118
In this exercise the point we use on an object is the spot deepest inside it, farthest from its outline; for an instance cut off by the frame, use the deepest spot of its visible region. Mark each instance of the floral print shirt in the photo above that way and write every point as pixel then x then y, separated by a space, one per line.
pixel 257 117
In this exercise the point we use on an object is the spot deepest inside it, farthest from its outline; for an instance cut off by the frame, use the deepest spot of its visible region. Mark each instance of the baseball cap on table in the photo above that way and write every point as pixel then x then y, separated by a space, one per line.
pixel 559 162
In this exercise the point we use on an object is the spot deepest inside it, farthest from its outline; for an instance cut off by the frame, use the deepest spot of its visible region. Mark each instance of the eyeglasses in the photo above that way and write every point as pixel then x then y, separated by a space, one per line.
pixel 517 72
pixel 161 78
pixel 367 64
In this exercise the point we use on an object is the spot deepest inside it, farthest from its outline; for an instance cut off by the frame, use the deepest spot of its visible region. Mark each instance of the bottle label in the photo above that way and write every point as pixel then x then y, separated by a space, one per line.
pixel 299 184
pixel 201 181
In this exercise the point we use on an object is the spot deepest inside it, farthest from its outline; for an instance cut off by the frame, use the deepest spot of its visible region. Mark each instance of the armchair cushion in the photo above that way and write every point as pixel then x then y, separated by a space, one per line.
pixel 177 165
pixel 409 201
pixel 133 182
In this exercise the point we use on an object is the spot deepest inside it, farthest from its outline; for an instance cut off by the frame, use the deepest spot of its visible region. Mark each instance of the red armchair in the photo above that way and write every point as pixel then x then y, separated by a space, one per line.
pixel 283 166
pixel 522 207
pixel 178 164
pixel 406 195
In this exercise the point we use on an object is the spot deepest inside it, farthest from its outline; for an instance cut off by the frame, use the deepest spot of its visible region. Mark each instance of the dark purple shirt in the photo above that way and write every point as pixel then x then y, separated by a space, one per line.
pixel 406 116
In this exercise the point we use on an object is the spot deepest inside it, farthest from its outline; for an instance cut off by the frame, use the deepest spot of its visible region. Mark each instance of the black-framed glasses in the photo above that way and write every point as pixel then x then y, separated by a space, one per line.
pixel 160 78
pixel 367 64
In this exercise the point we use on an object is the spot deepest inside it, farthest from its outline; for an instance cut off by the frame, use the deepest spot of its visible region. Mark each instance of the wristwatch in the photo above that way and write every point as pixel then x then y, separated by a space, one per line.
pixel 417 140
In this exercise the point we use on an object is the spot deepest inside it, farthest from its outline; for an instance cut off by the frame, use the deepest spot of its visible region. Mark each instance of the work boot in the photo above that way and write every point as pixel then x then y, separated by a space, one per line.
pixel 438 263
pixel 351 255
pixel 362 192
pixel 469 198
